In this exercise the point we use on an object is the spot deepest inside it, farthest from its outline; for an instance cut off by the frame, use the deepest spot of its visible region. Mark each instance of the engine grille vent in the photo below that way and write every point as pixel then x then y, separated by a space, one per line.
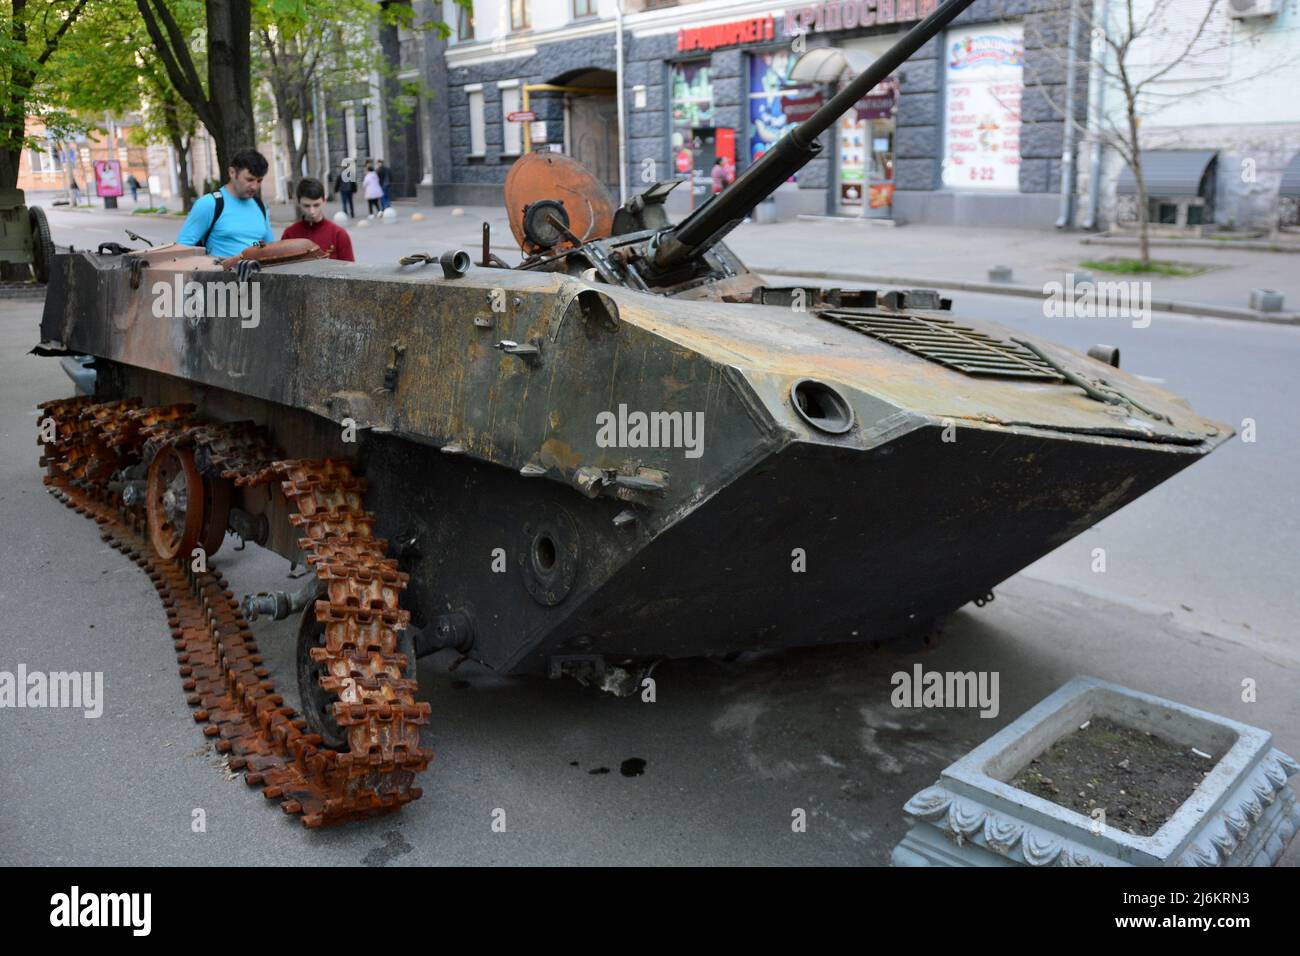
pixel 949 343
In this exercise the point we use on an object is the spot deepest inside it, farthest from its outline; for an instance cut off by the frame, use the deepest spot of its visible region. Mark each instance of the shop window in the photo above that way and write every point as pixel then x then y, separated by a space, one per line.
pixel 768 83
pixel 349 131
pixel 363 131
pixel 521 16
pixel 692 105
pixel 1166 212
pixel 1288 213
pixel 512 138
pixel 477 131
pixel 356 132
pixel 46 160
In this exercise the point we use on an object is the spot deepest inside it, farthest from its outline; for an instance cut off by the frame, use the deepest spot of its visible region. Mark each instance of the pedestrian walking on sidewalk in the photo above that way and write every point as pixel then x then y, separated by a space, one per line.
pixel 722 175
pixel 385 180
pixel 374 192
pixel 76 192
pixel 133 184
pixel 345 184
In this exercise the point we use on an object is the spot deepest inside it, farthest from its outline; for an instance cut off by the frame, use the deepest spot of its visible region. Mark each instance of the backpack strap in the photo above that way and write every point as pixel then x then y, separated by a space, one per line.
pixel 220 202
pixel 216 214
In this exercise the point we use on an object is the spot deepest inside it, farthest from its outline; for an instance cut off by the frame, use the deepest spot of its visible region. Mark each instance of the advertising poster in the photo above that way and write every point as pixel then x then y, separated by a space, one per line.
pixel 769 93
pixel 983 83
pixel 853 160
pixel 108 177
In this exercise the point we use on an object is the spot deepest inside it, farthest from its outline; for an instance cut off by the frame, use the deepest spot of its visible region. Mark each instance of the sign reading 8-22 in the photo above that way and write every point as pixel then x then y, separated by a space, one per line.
pixel 983 87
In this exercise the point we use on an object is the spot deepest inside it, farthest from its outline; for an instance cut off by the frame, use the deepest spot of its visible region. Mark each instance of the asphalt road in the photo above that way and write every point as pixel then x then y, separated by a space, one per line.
pixel 1218 546
pixel 1200 593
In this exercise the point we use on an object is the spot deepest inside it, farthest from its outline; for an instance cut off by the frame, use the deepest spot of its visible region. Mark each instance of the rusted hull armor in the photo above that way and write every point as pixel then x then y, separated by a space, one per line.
pixel 497 416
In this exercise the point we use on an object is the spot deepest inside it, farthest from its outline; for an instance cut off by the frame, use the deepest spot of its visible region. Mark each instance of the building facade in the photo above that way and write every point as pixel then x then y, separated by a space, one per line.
pixel 1221 122
pixel 387 115
pixel 56 164
pixel 969 130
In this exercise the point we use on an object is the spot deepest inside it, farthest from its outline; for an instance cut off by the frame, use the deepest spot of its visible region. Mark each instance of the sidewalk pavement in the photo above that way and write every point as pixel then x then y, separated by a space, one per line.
pixel 960 257
pixel 280 213
pixel 916 255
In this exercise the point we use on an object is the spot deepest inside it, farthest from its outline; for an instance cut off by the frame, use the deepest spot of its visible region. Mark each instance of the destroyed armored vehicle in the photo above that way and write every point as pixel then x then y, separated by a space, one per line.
pixel 626 448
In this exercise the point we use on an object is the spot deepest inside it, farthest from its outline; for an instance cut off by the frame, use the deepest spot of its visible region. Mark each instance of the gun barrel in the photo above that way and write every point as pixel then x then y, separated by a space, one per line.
pixel 710 222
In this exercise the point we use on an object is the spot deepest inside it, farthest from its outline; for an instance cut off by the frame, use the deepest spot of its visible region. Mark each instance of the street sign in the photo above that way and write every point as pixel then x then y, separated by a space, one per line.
pixel 800 106
pixel 521 116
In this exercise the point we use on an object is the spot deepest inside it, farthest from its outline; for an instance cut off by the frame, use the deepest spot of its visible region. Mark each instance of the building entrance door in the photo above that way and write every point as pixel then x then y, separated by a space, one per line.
pixel 866 167
pixel 593 135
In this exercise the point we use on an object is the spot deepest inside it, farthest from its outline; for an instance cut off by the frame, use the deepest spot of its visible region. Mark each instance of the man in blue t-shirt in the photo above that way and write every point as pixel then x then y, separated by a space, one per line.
pixel 229 226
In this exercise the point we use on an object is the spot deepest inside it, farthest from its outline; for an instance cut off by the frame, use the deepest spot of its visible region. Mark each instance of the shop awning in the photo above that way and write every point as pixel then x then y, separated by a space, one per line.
pixel 828 64
pixel 1291 178
pixel 1169 172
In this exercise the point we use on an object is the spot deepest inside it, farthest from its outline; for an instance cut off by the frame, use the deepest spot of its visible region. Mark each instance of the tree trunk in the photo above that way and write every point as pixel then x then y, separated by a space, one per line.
pixel 13 102
pixel 290 82
pixel 229 83
pixel 9 160
pixel 181 146
pixel 226 106
pixel 1144 229
pixel 11 155
pixel 299 152
pixel 295 166
pixel 183 162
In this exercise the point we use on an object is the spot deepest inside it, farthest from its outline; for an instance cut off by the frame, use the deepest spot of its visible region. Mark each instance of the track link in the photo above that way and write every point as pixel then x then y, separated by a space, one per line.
pixel 222 673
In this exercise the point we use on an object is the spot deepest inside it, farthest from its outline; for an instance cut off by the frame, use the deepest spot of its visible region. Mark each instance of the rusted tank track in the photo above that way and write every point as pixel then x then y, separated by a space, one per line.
pixel 222 672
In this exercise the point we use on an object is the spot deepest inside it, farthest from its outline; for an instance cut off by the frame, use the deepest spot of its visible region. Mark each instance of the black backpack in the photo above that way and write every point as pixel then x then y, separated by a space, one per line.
pixel 220 200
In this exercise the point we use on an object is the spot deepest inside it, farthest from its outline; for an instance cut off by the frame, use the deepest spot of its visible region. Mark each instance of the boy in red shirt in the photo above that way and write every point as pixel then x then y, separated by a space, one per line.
pixel 313 225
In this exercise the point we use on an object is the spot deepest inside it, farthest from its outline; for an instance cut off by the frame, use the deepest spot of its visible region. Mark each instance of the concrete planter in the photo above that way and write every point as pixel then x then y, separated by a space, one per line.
pixel 1242 813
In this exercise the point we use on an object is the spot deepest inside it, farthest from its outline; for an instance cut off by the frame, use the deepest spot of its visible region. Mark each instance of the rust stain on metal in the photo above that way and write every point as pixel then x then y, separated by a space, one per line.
pixel 559 454
pixel 538 176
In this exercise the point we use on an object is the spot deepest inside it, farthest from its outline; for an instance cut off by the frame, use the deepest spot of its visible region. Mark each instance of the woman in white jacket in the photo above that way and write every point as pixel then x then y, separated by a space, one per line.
pixel 374 192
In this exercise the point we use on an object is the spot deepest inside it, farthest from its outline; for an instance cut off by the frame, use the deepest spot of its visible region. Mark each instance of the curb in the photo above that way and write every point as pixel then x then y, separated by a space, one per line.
pixel 1249 245
pixel 169 217
pixel 21 292
pixel 1033 292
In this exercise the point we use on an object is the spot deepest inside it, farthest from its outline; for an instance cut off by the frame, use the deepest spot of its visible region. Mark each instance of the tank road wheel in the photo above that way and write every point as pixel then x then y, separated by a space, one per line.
pixel 216 512
pixel 174 502
pixel 42 244
pixel 317 702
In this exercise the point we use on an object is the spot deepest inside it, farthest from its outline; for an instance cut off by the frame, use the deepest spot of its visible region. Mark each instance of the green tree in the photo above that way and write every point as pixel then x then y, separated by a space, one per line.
pixel 31 34
pixel 330 44
pixel 225 103
pixel 167 118
pixel 114 68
